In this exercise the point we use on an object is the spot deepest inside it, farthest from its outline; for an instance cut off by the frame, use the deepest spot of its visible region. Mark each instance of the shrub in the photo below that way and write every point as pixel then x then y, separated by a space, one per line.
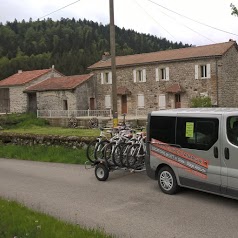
pixel 201 102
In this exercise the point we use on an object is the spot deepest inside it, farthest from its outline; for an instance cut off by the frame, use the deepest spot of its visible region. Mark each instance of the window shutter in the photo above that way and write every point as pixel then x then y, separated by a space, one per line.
pixel 156 74
pixel 196 71
pixel 141 101
pixel 102 78
pixel 144 75
pixel 107 101
pixel 134 75
pixel 208 71
pixel 162 102
pixel 167 73
pixel 110 78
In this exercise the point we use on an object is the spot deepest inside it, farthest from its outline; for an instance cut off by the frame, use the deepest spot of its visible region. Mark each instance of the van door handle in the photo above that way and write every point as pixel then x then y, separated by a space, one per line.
pixel 215 152
pixel 227 153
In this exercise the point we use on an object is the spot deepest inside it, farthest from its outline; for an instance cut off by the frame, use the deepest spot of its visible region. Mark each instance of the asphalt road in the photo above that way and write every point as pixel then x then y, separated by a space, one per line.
pixel 126 205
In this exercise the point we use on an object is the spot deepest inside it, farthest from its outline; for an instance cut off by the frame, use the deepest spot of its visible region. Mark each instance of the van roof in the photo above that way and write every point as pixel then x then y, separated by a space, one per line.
pixel 218 110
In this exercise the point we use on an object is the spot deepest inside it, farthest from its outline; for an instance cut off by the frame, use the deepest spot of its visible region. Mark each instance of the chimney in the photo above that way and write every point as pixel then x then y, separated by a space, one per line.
pixel 52 71
pixel 19 71
pixel 106 56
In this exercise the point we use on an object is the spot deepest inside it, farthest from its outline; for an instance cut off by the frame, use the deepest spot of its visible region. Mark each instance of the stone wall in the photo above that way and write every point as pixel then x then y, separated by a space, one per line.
pixel 228 81
pixel 182 72
pixel 47 140
pixel 53 100
pixel 19 99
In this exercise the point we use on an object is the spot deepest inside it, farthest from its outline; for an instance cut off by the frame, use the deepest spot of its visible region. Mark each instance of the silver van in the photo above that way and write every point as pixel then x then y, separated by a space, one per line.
pixel 194 148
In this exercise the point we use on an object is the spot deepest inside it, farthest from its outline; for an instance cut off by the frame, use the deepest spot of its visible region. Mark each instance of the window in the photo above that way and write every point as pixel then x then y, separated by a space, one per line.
pixel 162 101
pixel 162 128
pixel 232 129
pixel 141 101
pixel 108 103
pixel 65 105
pixel 202 71
pixel 106 77
pixel 139 75
pixel 162 74
pixel 197 133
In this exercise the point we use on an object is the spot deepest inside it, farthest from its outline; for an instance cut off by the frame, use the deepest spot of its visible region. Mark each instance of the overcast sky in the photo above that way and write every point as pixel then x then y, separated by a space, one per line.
pixel 144 16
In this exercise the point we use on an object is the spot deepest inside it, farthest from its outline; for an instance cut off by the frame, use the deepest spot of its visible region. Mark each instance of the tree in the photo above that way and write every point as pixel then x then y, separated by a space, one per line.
pixel 234 10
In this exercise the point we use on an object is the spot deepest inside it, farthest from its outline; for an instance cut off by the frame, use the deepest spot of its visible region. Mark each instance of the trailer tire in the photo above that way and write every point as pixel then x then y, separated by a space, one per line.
pixel 167 181
pixel 101 172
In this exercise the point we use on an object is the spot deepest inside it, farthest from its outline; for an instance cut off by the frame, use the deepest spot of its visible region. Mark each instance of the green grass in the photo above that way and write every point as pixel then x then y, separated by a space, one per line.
pixel 48 130
pixel 43 153
pixel 18 221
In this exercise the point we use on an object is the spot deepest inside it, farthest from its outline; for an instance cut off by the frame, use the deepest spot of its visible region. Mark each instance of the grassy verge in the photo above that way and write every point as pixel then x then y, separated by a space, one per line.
pixel 43 153
pixel 48 130
pixel 18 221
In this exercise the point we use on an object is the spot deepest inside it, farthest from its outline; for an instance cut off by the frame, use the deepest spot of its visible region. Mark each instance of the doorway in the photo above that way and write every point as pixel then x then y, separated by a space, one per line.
pixel 92 103
pixel 177 101
pixel 124 104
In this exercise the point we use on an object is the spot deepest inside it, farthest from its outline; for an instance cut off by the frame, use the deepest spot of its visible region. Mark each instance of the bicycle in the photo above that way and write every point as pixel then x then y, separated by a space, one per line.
pixel 136 153
pixel 90 151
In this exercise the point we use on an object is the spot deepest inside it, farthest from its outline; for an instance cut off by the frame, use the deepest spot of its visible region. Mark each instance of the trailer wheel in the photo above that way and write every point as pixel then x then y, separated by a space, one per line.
pixel 101 172
pixel 167 181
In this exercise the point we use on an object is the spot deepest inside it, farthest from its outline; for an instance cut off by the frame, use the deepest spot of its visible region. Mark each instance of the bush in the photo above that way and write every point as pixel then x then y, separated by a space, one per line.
pixel 18 120
pixel 201 102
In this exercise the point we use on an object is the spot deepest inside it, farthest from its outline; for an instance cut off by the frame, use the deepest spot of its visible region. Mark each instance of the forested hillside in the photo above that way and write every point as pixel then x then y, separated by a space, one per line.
pixel 68 44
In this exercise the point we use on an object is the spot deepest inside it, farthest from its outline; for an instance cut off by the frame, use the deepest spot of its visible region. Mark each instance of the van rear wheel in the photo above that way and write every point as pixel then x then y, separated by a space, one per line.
pixel 167 180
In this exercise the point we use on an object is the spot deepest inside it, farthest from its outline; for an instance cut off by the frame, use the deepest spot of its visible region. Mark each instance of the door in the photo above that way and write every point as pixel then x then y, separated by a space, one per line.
pixel 32 103
pixel 124 104
pixel 177 101
pixel 92 103
pixel 229 156
pixel 199 158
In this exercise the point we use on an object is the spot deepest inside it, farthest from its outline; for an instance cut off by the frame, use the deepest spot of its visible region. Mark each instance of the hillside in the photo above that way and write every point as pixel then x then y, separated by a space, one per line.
pixel 68 44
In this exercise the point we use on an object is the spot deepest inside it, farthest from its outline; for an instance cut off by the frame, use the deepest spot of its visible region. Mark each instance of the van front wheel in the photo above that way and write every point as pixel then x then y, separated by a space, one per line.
pixel 167 180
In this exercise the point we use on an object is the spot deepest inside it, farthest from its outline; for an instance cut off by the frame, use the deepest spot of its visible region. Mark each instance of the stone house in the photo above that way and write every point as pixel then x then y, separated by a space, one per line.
pixel 68 93
pixel 171 78
pixel 13 99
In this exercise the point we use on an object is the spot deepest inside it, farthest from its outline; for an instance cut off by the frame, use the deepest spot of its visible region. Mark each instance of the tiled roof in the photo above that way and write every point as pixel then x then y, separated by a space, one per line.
pixel 168 55
pixel 123 91
pixel 175 88
pixel 59 83
pixel 23 77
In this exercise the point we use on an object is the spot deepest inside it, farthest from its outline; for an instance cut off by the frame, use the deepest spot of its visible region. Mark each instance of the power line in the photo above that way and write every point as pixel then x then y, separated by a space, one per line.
pixel 188 27
pixel 193 19
pixel 154 19
pixel 59 9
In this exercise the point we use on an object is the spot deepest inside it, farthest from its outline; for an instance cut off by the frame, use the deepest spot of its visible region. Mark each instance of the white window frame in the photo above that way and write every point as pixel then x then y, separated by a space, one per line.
pixel 162 74
pixel 140 101
pixel 106 77
pixel 203 71
pixel 108 102
pixel 139 75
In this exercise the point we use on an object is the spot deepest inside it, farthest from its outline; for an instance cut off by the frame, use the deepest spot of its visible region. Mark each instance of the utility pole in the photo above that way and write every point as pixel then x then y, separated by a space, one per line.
pixel 113 64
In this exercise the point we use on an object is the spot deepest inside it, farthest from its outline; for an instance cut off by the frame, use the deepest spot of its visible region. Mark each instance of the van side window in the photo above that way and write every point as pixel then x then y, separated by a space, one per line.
pixel 197 133
pixel 232 129
pixel 162 128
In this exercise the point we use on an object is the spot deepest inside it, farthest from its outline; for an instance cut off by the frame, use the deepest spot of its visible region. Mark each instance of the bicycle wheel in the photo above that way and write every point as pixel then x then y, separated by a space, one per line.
pixel 108 151
pixel 117 154
pixel 90 150
pixel 132 156
pixel 123 153
pixel 99 150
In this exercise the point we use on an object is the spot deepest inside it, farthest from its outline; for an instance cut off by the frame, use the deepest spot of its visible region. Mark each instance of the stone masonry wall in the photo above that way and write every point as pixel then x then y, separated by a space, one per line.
pixel 182 72
pixel 228 82
pixel 19 99
pixel 53 100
